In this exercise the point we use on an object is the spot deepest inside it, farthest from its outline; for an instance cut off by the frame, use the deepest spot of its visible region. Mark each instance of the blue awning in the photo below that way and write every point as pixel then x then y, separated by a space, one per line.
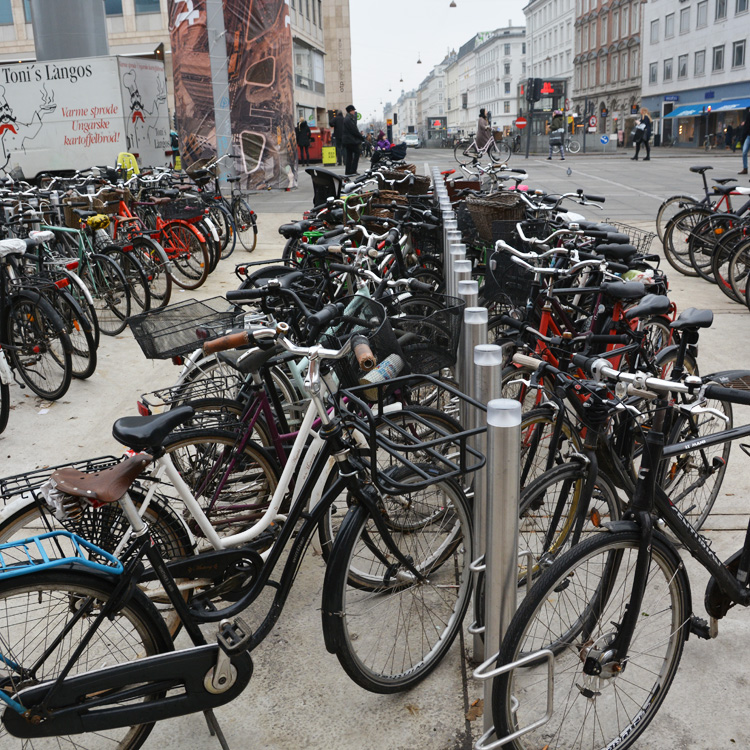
pixel 687 110
pixel 730 104
pixel 693 110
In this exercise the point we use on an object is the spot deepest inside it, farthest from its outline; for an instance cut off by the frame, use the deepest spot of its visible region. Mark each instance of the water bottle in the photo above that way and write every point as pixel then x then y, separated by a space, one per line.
pixel 389 368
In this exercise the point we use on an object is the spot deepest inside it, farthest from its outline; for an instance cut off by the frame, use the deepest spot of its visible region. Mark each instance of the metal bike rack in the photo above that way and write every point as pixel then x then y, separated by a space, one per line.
pixel 468 291
pixel 456 252
pixel 473 334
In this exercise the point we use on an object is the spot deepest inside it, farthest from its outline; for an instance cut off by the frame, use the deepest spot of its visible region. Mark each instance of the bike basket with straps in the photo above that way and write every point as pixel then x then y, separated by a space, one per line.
pixel 641 239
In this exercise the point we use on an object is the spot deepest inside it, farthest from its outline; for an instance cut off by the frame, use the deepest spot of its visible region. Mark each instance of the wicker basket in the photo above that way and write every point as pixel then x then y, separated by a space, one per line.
pixel 110 196
pixel 72 220
pixel 381 204
pixel 405 168
pixel 485 210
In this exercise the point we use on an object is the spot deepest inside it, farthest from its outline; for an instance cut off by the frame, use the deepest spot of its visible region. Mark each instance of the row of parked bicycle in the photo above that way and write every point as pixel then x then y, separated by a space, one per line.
pixel 709 236
pixel 90 251
pixel 318 401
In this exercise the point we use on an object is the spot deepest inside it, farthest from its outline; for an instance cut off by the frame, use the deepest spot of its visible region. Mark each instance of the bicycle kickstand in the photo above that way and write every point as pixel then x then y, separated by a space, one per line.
pixel 215 729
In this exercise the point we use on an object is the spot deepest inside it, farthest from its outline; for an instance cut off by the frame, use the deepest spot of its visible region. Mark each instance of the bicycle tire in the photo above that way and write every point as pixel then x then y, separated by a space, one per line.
pixel 669 208
pixel 721 263
pixel 140 294
pixel 210 235
pixel 39 349
pixel 4 403
pixel 703 242
pixel 358 621
pixel 83 296
pixel 739 270
pixel 37 608
pixel 78 327
pixel 156 265
pixel 111 293
pixel 676 237
pixel 573 146
pixel 202 456
pixel 499 152
pixel 187 253
pixel 222 217
pixel 460 153
pixel 574 607
pixel 245 223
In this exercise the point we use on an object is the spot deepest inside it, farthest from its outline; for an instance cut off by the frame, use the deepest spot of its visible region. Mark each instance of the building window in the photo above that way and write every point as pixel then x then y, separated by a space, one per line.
pixel 614 67
pixel 738 54
pixel 320 13
pixel 718 58
pixel 506 108
pixel 721 9
pixel 699 67
pixel 668 69
pixel 740 7
pixel 684 20
pixel 616 25
pixel 653 73
pixel 147 6
pixel 635 69
pixel 669 26
pixel 682 66
pixel 113 7
pixel 315 22
pixel 523 48
pixel 6 13
pixel 702 14
pixel 593 35
pixel 506 49
pixel 654 31
pixel 603 34
pixel 507 87
pixel 625 17
pixel 506 67
pixel 624 66
pixel 636 18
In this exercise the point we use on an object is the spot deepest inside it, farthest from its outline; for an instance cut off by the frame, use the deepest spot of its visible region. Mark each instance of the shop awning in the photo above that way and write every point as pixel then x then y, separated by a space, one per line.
pixel 687 110
pixel 729 104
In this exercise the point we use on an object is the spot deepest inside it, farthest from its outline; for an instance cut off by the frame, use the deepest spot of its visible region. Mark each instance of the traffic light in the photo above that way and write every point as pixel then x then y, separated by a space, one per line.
pixel 534 89
pixel 395 118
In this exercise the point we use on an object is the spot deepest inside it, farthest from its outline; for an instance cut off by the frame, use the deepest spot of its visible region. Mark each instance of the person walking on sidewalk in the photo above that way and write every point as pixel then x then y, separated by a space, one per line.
pixel 337 124
pixel 644 128
pixel 744 139
pixel 484 130
pixel 352 140
pixel 303 141
pixel 557 135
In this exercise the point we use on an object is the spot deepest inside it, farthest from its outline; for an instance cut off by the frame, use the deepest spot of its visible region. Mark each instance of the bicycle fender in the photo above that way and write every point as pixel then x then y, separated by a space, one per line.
pixel 89 702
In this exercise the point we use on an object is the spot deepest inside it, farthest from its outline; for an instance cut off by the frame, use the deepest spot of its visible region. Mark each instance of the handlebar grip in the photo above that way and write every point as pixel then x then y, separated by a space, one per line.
pixel 606 338
pixel 323 318
pixel 526 361
pixel 595 198
pixel 584 362
pixel 365 358
pixel 245 295
pixel 342 268
pixel 732 395
pixel 333 232
pixel 232 341
pixel 506 320
pixel 419 286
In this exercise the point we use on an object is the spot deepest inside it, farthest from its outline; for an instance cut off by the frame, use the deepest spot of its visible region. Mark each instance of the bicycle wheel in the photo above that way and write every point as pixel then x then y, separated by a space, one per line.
pixel 4 399
pixel 575 610
pixel 38 348
pixel 390 634
pixel 463 152
pixel 140 294
pixel 704 240
pixel 222 219
pixel 38 636
pixel 573 146
pixel 499 152
pixel 82 295
pixel 669 209
pixel 111 293
pixel 739 270
pixel 155 263
pixel 245 224
pixel 188 255
pixel 210 235
pixel 721 263
pixel 234 489
pixel 78 327
pixel 677 236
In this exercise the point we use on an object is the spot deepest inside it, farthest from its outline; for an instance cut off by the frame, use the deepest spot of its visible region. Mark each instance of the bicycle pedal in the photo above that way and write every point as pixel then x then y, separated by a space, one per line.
pixel 234 636
pixel 699 627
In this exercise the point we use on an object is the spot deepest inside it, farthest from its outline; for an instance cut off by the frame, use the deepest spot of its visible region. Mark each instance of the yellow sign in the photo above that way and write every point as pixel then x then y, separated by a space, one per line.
pixel 389 122
pixel 329 155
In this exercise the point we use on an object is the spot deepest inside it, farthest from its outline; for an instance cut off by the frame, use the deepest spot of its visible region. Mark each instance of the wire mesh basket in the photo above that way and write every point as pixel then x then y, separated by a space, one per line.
pixel 181 208
pixel 506 282
pixel 406 455
pixel 641 239
pixel 225 386
pixel 179 329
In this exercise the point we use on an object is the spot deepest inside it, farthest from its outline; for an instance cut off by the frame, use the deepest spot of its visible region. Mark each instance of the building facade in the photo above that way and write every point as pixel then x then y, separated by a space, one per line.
pixel 695 69
pixel 549 40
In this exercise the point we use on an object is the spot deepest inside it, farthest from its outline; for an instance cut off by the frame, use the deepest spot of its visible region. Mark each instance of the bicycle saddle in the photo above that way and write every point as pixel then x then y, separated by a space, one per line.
pixel 692 318
pixel 624 290
pixel 233 179
pixel 105 486
pixel 724 180
pixel 142 433
pixel 12 246
pixel 651 304
pixel 622 253
pixel 700 170
pixel 723 189
pixel 294 230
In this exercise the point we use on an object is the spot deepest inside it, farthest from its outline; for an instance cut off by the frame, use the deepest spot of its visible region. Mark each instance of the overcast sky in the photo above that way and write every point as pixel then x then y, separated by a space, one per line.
pixel 389 36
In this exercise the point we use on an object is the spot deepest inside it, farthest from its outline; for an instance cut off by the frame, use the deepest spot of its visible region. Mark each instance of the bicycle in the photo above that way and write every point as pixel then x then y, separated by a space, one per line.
pixel 613 613
pixel 391 547
pixel 467 152
pixel 572 145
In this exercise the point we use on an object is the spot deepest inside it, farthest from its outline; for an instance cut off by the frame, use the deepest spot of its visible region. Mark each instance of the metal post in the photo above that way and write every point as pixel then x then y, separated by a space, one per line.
pixel 504 480
pixel 448 225
pixel 456 252
pixel 488 364
pixel 468 291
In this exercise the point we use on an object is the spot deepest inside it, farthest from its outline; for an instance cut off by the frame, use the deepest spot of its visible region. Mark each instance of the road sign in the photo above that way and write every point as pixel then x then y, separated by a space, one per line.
pixel 520 123
pixel 604 139
pixel 592 121
pixel 389 122
pixel 359 115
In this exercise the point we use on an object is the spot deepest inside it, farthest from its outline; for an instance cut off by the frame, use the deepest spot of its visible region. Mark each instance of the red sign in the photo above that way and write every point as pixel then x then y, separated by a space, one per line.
pixel 592 121
pixel 547 88
pixel 436 123
pixel 520 123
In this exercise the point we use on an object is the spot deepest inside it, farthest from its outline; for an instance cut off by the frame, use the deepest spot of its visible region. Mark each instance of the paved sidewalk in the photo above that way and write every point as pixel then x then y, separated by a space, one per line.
pixel 299 696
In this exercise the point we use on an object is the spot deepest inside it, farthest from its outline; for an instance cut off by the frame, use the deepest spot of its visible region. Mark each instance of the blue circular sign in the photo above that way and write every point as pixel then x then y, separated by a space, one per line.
pixel 604 139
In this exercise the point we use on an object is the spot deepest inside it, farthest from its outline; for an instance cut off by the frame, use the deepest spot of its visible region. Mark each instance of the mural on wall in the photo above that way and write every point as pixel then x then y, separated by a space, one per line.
pixel 259 57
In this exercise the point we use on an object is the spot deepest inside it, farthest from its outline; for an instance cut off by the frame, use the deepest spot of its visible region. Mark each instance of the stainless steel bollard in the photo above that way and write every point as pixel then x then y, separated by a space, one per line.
pixel 487 386
pixel 501 555
pixel 456 252
pixel 468 291
pixel 473 333
pixel 448 225
pixel 461 272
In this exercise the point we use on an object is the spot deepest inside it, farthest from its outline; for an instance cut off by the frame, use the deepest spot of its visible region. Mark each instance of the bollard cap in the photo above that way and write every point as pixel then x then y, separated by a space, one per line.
pixel 468 286
pixel 475 315
pixel 488 355
pixel 462 266
pixel 504 412
pixel 457 252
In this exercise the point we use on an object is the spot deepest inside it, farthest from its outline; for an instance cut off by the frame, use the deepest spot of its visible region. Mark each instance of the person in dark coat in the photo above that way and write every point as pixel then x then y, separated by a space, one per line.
pixel 337 124
pixel 646 121
pixel 744 139
pixel 303 141
pixel 729 137
pixel 352 140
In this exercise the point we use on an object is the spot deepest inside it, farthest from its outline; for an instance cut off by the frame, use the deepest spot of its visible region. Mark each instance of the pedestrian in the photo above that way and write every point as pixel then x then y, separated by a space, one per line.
pixel 728 136
pixel 744 138
pixel 337 124
pixel 367 146
pixel 644 126
pixel 484 131
pixel 557 135
pixel 352 140
pixel 303 141
pixel 383 143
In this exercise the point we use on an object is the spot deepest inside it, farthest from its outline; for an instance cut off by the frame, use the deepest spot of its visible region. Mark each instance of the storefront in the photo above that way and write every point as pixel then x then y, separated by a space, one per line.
pixel 688 124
